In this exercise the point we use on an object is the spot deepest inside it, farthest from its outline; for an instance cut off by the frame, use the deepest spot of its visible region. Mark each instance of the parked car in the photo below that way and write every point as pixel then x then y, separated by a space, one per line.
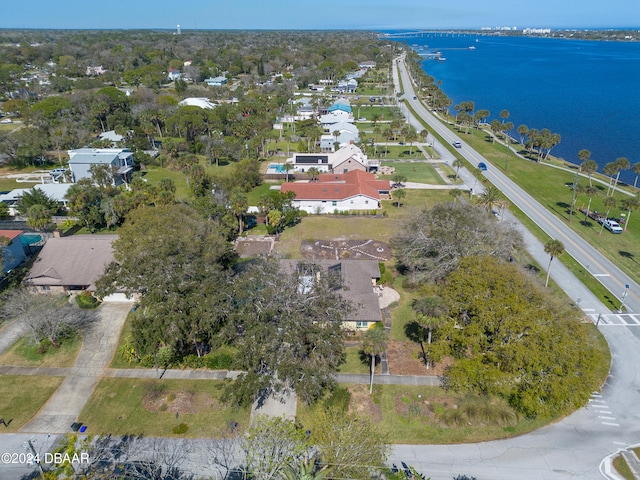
pixel 457 144
pixel 612 226
pixel 482 166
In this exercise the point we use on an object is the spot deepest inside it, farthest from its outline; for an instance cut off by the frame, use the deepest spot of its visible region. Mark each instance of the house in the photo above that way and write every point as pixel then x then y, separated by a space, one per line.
pixel 72 264
pixel 347 132
pixel 95 70
pixel 216 81
pixel 347 158
pixel 12 250
pixel 354 190
pixel 112 136
pixel 120 159
pixel 367 65
pixel 337 116
pixel 201 102
pixel 342 105
pixel 174 74
pixel 346 86
pixel 358 280
pixel 55 191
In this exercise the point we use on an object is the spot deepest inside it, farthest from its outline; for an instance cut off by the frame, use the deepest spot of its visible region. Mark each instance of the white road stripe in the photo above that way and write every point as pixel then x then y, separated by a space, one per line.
pixel 612 424
pixel 607 418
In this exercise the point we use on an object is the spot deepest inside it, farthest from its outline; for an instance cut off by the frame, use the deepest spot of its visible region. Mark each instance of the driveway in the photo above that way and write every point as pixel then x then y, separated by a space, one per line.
pixel 98 347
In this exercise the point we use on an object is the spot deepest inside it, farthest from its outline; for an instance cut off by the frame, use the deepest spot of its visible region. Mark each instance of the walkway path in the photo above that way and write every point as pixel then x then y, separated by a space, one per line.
pixel 98 346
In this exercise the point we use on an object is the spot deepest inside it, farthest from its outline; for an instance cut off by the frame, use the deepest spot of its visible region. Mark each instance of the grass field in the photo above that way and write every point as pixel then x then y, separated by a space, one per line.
pixel 420 172
pixel 355 362
pixel 407 414
pixel 24 353
pixel 22 396
pixel 148 407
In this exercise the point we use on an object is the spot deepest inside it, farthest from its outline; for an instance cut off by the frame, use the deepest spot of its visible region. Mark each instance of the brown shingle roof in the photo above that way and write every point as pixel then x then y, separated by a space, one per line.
pixel 72 261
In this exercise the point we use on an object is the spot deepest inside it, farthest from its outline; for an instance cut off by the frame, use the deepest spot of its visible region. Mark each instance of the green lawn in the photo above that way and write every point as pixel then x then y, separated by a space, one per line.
pixel 398 151
pixel 154 174
pixel 148 407
pixel 24 353
pixel 21 397
pixel 622 467
pixel 355 362
pixel 420 172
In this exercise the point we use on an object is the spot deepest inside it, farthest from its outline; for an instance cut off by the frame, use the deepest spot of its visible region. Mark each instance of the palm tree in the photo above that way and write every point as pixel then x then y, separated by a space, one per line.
pixel 554 248
pixel 523 131
pixel 610 170
pixel 455 193
pixel 636 169
pixel 457 163
pixel 629 204
pixel 287 167
pixel 477 172
pixel 429 316
pixel 399 194
pixel 591 192
pixel 589 167
pixel 374 344
pixel 314 173
pixel 622 163
pixel 503 204
pixel 609 202
pixel 504 114
pixel 489 198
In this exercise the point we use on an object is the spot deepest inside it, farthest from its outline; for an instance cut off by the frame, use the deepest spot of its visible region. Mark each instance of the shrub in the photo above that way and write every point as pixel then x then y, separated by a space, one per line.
pixel 180 429
pixel 339 399
pixel 220 361
pixel 86 300
pixel 192 361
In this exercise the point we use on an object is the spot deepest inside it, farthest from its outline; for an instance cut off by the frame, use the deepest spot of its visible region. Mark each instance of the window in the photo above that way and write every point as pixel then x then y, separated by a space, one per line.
pixel 366 202
pixel 45 288
pixel 334 203
pixel 362 324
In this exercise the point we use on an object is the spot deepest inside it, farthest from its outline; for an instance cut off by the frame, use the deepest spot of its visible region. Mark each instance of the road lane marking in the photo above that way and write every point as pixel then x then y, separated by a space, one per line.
pixel 612 424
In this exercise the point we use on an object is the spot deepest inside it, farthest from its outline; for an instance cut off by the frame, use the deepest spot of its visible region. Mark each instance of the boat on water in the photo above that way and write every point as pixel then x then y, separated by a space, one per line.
pixel 441 59
pixel 472 47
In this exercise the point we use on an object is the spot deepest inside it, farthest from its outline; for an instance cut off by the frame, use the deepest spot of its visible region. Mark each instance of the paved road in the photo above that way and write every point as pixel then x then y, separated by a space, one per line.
pixel 578 446
pixel 98 346
pixel 603 269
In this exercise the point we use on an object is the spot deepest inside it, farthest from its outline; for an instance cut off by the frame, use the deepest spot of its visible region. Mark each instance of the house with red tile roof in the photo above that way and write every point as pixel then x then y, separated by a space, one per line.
pixel 354 190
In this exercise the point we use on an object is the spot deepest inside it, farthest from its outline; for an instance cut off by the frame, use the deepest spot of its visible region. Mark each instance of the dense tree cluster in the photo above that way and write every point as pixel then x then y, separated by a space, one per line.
pixel 509 337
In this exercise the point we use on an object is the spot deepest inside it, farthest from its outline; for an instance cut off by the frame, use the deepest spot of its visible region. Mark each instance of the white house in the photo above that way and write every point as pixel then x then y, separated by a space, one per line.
pixel 347 158
pixel 201 102
pixel 354 190
pixel 120 159
pixel 216 81
pixel 55 191
pixel 337 116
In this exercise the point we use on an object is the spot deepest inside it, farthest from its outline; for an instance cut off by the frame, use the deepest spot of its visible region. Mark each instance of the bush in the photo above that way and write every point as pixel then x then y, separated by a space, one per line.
pixel 180 429
pixel 338 400
pixel 220 361
pixel 192 361
pixel 86 300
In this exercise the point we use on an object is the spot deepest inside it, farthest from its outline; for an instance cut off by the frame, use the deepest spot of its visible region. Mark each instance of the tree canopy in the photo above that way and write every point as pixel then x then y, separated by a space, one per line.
pixel 511 338
pixel 431 241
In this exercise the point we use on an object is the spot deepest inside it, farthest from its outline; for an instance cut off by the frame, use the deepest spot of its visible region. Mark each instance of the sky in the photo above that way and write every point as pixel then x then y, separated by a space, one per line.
pixel 323 14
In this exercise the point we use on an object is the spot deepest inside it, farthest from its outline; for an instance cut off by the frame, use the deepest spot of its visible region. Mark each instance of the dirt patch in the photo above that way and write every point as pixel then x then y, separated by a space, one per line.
pixel 253 246
pixel 362 403
pixel 345 250
pixel 407 406
pixel 405 358
pixel 182 402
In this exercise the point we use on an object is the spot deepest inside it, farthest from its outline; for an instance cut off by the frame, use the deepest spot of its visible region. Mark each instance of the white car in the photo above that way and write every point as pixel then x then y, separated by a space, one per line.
pixel 612 226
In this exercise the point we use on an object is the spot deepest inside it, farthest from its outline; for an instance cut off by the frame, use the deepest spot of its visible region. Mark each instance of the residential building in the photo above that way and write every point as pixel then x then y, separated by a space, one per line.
pixel 72 265
pixel 347 158
pixel 354 190
pixel 216 81
pixel 356 283
pixel 201 102
pixel 367 65
pixel 120 159
pixel 174 74
pixel 55 191
pixel 95 70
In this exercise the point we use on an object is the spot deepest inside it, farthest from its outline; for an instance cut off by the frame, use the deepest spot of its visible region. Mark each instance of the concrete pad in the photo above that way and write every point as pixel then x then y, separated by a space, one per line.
pixel 281 405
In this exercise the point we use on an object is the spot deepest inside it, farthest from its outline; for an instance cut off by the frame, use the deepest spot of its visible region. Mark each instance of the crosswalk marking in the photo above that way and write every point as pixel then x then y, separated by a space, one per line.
pixel 616 319
pixel 601 409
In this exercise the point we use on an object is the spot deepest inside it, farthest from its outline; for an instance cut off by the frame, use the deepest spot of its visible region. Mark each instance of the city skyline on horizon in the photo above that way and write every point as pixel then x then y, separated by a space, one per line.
pixel 331 15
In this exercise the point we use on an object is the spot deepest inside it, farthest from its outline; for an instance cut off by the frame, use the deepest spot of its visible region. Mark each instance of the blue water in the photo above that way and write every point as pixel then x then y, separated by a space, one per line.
pixel 277 167
pixel 30 239
pixel 587 91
